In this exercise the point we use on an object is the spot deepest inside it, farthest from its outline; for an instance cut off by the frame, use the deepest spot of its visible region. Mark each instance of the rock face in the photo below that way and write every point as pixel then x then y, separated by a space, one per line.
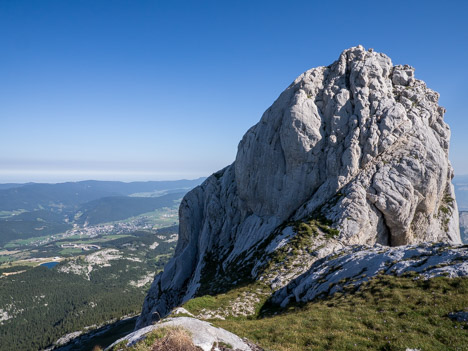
pixel 359 146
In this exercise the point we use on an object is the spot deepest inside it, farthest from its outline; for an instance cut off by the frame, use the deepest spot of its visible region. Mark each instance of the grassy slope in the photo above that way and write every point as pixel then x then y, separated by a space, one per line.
pixel 388 313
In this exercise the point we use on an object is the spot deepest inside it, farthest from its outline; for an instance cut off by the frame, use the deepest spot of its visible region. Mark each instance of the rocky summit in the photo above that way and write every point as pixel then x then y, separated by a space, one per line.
pixel 350 155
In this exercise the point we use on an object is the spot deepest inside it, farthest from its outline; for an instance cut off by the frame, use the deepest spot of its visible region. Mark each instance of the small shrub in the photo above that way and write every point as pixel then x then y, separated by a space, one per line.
pixel 305 229
pixel 448 199
pixel 444 209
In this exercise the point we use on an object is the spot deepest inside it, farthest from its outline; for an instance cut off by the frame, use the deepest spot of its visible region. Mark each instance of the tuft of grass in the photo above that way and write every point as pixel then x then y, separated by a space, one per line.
pixel 162 339
pixel 207 302
pixel 176 339
pixel 386 313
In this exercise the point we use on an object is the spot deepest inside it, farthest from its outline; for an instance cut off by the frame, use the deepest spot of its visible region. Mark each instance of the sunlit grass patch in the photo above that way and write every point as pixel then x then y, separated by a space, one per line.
pixel 387 313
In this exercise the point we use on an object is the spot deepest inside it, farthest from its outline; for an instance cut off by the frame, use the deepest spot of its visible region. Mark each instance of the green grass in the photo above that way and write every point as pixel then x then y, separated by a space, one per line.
pixel 23 263
pixel 209 302
pixel 25 242
pixel 212 303
pixel 388 313
pixel 101 239
pixel 4 259
pixel 306 231
pixel 70 251
pixel 312 226
pixel 157 217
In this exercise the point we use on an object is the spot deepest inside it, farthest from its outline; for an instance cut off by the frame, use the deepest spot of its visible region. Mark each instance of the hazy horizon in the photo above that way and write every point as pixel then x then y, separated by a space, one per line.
pixel 74 175
pixel 124 179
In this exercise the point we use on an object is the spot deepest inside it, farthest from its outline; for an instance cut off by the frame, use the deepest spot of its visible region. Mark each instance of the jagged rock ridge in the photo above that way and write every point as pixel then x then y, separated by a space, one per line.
pixel 359 146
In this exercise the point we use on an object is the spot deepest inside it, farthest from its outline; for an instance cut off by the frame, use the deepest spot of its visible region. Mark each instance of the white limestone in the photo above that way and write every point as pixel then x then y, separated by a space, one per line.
pixel 360 142
pixel 84 266
pixel 203 334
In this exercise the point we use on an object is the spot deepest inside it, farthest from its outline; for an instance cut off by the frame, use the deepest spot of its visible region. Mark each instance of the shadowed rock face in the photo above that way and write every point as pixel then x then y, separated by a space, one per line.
pixel 361 143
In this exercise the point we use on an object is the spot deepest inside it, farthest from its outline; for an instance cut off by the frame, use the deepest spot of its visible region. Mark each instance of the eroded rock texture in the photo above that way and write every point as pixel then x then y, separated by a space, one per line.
pixel 353 266
pixel 360 144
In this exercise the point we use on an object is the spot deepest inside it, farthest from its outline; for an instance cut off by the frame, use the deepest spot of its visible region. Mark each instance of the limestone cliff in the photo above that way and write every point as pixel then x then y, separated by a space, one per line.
pixel 359 146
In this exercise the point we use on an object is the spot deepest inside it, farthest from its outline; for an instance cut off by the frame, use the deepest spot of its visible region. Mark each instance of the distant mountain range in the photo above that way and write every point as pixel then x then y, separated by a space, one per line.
pixel 36 209
pixel 32 196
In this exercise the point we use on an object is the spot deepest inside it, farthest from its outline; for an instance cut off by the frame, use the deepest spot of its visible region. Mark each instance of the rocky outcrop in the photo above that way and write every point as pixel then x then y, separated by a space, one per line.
pixel 359 146
pixel 354 266
pixel 204 336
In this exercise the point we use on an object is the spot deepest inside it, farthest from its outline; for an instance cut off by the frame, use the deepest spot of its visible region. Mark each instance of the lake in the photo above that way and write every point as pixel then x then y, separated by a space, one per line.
pixel 50 264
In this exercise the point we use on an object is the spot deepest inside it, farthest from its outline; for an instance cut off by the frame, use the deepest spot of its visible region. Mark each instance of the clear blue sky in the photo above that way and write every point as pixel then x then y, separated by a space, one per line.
pixel 136 90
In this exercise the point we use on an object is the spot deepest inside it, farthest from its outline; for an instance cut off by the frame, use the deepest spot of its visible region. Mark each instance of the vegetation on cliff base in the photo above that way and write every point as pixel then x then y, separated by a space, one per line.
pixel 387 313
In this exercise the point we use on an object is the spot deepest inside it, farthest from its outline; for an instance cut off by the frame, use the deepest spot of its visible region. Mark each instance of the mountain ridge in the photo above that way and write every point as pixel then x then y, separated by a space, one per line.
pixel 30 195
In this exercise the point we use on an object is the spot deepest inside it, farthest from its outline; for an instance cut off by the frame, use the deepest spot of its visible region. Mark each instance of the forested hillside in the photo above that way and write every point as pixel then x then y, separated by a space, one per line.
pixel 84 291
